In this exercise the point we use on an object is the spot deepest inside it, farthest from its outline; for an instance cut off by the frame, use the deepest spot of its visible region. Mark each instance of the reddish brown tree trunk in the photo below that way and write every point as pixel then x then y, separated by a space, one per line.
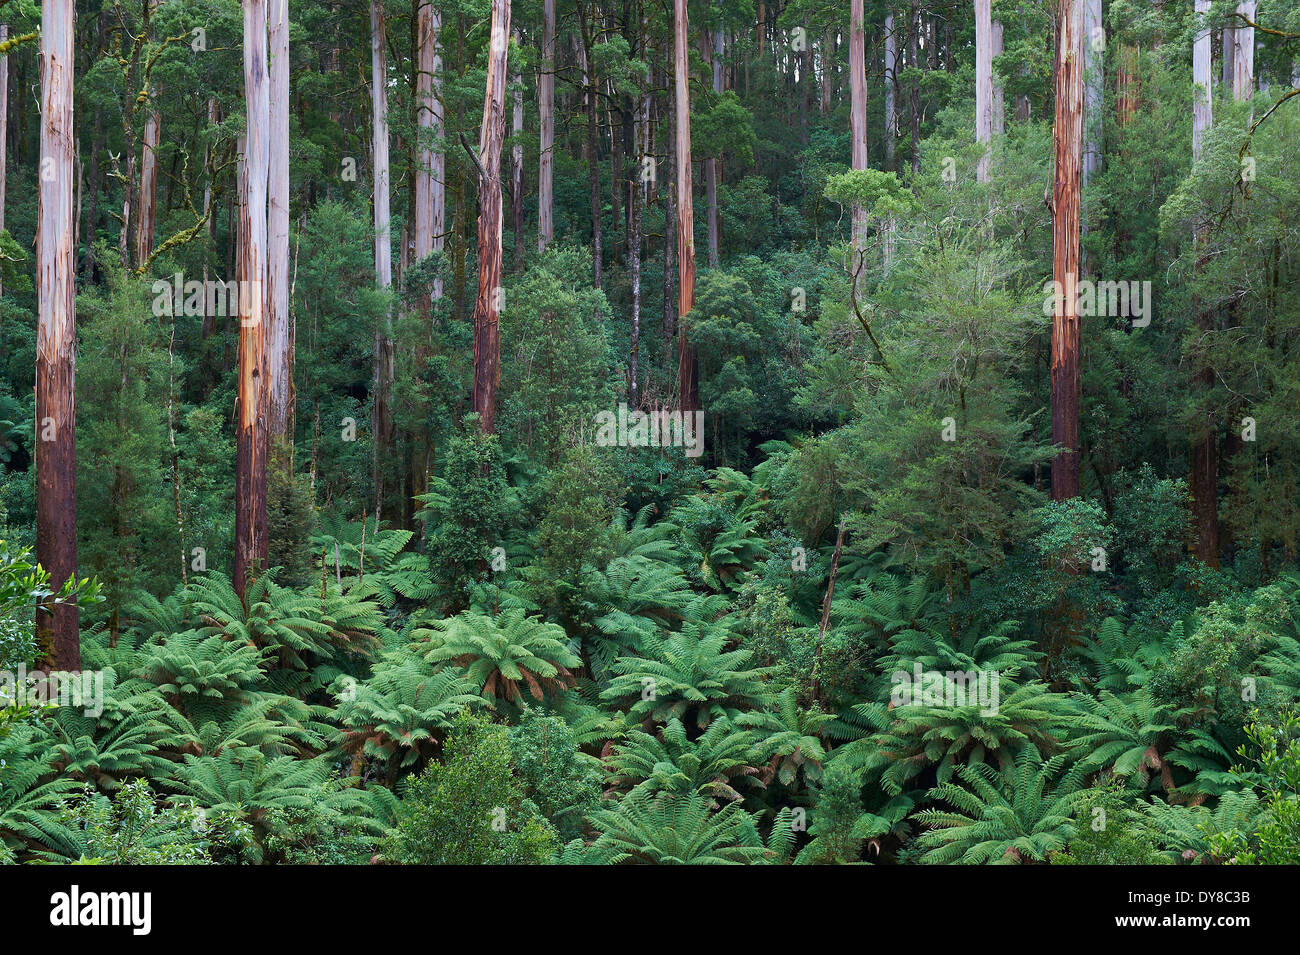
pixel 487 306
pixel 687 368
pixel 56 417
pixel 253 380
pixel 1068 145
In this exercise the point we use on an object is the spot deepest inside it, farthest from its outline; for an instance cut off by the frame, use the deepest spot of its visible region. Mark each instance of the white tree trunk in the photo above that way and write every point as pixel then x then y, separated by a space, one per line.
pixel 713 167
pixel 999 99
pixel 1202 77
pixel 1229 55
pixel 253 391
pixel 983 85
pixel 891 77
pixel 439 165
pixel 147 220
pixel 1094 45
pixel 147 215
pixel 858 120
pixel 546 123
pixel 381 434
pixel 278 334
pixel 431 157
pixel 1243 64
pixel 423 173
pixel 56 333
pixel 828 67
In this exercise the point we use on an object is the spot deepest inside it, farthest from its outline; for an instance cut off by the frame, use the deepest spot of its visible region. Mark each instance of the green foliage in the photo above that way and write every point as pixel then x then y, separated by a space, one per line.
pixel 838 825
pixel 668 829
pixel 1000 819
pixel 562 781
pixel 713 765
pixel 641 625
pixel 1273 837
pixel 498 655
pixel 470 809
pixel 467 510
pixel 575 531
pixel 690 675
pixel 557 375
pixel 23 585
pixel 133 829
pixel 402 711
pixel 1110 832
pixel 291 519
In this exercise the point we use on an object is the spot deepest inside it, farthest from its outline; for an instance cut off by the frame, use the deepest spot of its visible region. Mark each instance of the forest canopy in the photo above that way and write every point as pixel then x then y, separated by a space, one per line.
pixel 656 431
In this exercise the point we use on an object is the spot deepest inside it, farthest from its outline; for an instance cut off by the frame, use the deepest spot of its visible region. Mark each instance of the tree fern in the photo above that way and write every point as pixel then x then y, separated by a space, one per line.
pixel 690 675
pixel 667 829
pixel 403 711
pixel 709 766
pixel 996 819
pixel 788 739
pixel 498 654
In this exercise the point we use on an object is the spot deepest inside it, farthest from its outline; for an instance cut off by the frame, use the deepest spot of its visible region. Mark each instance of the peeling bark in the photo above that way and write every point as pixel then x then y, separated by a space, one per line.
pixel 56 444
pixel 487 305
pixel 278 334
pixel 251 432
pixel 1068 144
